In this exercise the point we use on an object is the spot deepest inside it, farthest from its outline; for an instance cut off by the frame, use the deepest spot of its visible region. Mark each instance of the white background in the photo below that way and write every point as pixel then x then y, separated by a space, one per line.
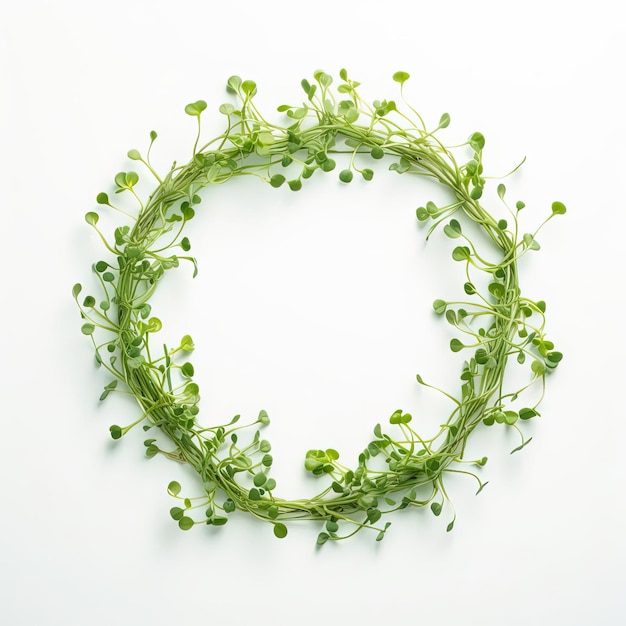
pixel 314 306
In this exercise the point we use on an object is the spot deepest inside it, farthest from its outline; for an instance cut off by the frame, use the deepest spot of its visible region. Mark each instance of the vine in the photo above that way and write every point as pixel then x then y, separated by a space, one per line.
pixel 398 468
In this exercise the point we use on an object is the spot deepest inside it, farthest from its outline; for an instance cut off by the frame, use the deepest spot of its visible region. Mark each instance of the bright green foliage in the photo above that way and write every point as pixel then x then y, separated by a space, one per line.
pixel 185 523
pixel 195 108
pixel 346 176
pixel 440 306
pixel 494 327
pixel 401 77
pixel 173 488
pixel 280 530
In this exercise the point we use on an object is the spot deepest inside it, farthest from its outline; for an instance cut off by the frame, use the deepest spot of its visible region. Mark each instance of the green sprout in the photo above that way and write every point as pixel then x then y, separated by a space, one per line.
pixel 493 325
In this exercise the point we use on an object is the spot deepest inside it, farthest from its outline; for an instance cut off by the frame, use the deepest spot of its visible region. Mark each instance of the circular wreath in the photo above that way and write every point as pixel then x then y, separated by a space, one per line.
pixel 494 324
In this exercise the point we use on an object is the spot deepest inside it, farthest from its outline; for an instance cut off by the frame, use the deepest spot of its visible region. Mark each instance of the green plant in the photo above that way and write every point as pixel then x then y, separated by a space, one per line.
pixel 494 323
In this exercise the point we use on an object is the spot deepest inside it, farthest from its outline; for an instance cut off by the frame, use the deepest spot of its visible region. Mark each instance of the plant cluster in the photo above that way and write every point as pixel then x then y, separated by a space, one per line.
pixel 494 322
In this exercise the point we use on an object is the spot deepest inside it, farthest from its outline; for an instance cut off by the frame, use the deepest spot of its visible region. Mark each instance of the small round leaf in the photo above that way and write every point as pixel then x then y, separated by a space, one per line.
pixel 401 77
pixel 280 530
pixel 185 523
pixel 173 488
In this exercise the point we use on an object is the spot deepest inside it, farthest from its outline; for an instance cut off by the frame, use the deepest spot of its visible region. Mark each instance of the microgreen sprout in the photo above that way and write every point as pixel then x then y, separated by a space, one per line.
pixel 493 324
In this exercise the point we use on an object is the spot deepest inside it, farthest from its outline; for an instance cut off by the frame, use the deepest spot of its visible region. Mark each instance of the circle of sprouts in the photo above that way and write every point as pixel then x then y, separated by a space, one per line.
pixel 493 324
